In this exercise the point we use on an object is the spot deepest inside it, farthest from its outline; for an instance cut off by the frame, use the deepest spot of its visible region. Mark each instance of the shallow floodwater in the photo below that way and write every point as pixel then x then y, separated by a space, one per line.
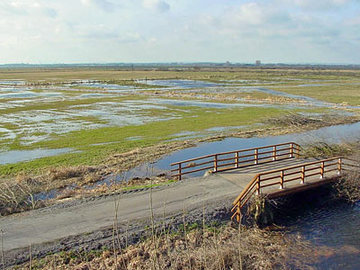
pixel 26 155
pixel 333 134
pixel 184 84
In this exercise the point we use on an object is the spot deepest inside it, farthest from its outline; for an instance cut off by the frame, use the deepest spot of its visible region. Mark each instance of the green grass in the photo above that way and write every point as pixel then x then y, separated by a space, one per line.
pixel 193 119
pixel 342 93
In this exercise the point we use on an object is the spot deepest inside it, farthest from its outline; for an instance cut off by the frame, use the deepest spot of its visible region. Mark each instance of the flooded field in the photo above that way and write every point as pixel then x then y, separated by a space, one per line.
pixel 40 114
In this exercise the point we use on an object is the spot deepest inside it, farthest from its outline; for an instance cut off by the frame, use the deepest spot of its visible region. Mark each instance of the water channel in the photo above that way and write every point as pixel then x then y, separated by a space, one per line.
pixel 337 228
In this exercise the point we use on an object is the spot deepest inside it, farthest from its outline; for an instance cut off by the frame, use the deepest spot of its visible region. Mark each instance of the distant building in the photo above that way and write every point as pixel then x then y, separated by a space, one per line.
pixel 258 62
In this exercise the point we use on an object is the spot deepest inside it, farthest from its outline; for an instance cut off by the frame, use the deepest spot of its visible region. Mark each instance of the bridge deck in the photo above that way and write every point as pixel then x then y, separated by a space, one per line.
pixel 273 170
pixel 243 176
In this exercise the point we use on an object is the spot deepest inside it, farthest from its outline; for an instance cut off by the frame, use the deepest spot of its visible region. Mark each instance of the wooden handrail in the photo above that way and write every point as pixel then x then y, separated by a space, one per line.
pixel 232 152
pixel 280 174
pixel 253 157
pixel 303 164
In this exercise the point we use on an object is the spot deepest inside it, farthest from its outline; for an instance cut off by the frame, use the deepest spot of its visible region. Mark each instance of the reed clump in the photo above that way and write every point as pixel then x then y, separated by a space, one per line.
pixel 348 188
pixel 303 120
pixel 18 195
pixel 60 173
pixel 294 119
pixel 327 150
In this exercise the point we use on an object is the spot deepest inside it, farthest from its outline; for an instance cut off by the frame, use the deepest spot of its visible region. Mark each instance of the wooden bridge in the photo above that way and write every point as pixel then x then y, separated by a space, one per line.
pixel 274 171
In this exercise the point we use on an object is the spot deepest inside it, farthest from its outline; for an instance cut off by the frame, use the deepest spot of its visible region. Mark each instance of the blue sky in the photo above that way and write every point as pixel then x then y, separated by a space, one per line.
pixel 84 31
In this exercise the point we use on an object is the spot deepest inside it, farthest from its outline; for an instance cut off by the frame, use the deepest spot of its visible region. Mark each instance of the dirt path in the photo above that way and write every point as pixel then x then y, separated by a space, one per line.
pixel 65 225
pixel 48 225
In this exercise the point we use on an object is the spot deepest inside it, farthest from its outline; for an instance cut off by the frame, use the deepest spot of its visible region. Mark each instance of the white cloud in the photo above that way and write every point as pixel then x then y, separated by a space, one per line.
pixel 88 31
pixel 51 12
pixel 105 5
pixel 320 4
pixel 156 5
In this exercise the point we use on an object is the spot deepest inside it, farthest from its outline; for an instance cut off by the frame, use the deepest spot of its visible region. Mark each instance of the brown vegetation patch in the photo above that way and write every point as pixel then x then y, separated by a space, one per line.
pixel 326 150
pixel 222 248
pixel 61 173
pixel 348 187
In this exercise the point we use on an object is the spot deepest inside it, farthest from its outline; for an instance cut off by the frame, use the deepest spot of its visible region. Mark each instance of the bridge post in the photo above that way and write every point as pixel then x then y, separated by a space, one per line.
pixel 339 166
pixel 291 150
pixel 256 157
pixel 236 159
pixel 274 153
pixel 179 170
pixel 281 180
pixel 322 169
pixel 215 163
pixel 238 213
pixel 258 186
pixel 302 175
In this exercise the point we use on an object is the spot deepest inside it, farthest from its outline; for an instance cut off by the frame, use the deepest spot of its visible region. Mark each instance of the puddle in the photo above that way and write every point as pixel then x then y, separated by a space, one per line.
pixel 6 134
pixel 46 195
pixel 12 82
pixel 205 104
pixel 104 86
pixel 27 155
pixel 29 94
pixel 221 129
pixel 122 113
pixel 24 94
pixel 134 138
pixel 175 84
pixel 93 95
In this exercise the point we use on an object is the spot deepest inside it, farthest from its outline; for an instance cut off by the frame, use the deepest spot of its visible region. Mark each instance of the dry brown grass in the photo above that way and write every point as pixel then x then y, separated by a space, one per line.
pixel 18 195
pixel 61 173
pixel 223 248
pixel 326 150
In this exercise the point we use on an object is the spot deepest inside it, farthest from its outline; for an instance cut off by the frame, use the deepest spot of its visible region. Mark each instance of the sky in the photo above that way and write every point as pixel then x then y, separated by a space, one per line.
pixel 141 31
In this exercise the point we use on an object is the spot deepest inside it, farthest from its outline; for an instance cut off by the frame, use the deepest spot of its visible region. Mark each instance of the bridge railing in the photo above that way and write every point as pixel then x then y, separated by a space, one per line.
pixel 235 159
pixel 326 168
